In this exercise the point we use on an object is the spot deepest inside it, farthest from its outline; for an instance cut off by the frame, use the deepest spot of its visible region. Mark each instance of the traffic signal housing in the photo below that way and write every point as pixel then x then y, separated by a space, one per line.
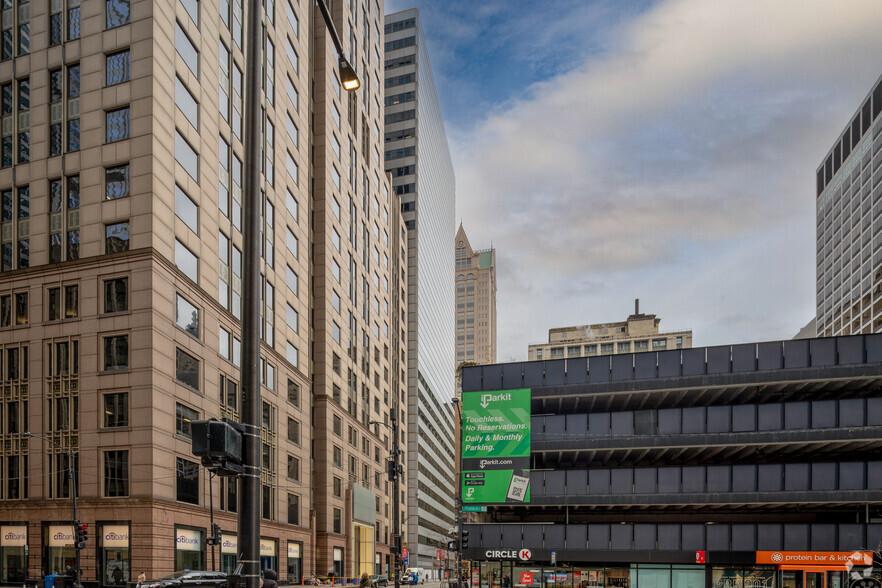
pixel 81 534
pixel 464 539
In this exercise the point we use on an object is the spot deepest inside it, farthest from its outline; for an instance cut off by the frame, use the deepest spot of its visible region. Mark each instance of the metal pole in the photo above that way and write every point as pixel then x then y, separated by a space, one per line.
pixel 249 488
pixel 396 494
pixel 72 474
pixel 211 516
pixel 459 513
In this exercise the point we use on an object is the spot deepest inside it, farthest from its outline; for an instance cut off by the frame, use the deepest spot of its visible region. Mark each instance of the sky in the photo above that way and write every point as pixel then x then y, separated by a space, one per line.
pixel 614 149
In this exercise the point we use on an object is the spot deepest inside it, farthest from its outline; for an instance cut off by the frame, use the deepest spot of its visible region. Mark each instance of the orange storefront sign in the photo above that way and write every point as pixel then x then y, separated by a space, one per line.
pixel 815 558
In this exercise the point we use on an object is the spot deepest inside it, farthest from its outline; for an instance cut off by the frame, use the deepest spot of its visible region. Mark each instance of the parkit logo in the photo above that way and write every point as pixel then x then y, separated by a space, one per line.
pixel 486 399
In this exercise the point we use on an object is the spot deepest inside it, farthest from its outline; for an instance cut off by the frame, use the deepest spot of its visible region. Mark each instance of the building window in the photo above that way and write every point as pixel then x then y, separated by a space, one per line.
pixel 338 487
pixel 63 302
pixel 24 134
pixel 192 8
pixel 186 50
pixel 186 261
pixel 338 457
pixel 116 181
pixel 116 295
pixel 116 237
pixel 15 228
pixel 116 352
pixel 294 393
pixel 14 309
pixel 186 156
pixel 679 342
pixel 117 68
pixel 116 473
pixel 187 481
pixel 641 345
pixel 184 415
pixel 557 352
pixel 186 103
pixel 338 520
pixel 187 316
pixel 186 369
pixel 116 409
pixel 267 374
pixel 623 347
pixel 116 124
pixel 294 431
pixel 293 468
pixel 117 13
pixel 186 210
pixel 293 509
pixel 64 219
pixel 59 112
pixel 659 343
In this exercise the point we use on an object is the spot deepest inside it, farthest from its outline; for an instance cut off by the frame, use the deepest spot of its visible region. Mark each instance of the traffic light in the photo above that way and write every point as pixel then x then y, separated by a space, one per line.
pixel 215 537
pixel 465 539
pixel 81 534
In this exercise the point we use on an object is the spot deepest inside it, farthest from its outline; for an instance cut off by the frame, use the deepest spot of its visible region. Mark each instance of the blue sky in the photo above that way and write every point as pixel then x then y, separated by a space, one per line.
pixel 656 150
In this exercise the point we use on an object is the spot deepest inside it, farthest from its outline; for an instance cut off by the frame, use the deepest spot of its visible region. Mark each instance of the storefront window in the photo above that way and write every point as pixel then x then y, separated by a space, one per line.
pixel 338 562
pixel 268 558
pixel 588 578
pixel 754 577
pixel 687 577
pixel 295 563
pixel 229 547
pixel 188 549
pixel 59 553
pixel 13 540
pixel 527 577
pixel 115 554
pixel 617 577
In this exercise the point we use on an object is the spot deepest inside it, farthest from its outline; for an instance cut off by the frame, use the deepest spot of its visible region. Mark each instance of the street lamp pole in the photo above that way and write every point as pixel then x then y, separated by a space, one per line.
pixel 72 476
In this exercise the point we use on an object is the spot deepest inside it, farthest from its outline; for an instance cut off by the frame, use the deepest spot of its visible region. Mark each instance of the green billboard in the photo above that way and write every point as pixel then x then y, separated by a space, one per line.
pixel 496 447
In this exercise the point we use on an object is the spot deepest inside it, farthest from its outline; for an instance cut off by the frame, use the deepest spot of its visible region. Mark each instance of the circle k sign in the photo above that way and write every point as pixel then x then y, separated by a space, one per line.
pixel 524 555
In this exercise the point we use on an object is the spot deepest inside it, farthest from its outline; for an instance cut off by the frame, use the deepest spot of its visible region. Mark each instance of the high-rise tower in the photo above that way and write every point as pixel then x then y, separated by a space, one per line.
pixel 475 302
pixel 849 227
pixel 422 175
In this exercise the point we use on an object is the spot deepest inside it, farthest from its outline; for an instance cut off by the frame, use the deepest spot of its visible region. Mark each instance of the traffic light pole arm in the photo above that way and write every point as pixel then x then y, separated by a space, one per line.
pixel 72 476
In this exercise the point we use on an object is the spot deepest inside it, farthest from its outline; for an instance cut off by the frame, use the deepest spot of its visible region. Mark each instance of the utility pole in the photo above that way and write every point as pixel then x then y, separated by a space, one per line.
pixel 249 486
pixel 396 503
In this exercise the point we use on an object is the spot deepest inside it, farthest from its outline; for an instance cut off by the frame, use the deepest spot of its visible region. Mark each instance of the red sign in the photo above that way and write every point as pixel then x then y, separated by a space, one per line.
pixel 404 552
pixel 699 557
pixel 525 554
pixel 526 577
pixel 577 577
pixel 841 558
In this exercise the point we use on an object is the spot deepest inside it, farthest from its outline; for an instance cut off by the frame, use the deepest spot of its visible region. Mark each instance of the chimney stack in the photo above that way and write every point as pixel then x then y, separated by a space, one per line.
pixel 636 306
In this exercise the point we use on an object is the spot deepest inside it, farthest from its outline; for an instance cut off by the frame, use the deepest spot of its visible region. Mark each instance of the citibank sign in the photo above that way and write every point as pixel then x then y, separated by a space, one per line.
pixel 521 554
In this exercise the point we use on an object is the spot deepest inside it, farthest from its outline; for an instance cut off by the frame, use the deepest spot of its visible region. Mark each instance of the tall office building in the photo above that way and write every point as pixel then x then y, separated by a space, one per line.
pixel 121 170
pixel 475 302
pixel 422 175
pixel 849 226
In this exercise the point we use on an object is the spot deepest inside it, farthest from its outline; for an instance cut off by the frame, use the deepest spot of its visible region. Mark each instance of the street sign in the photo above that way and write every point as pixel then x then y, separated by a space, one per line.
pixel 553 558
pixel 473 508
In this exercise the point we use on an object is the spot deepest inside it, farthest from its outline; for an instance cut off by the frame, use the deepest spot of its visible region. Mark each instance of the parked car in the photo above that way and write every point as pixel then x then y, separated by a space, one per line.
pixel 189 578
pixel 381 580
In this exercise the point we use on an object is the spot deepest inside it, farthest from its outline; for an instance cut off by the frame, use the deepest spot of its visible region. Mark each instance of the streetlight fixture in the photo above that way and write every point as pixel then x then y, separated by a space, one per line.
pixel 394 472
pixel 347 73
pixel 76 528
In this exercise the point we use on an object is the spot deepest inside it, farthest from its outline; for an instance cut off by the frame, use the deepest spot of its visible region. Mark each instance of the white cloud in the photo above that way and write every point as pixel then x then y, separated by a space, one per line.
pixel 677 166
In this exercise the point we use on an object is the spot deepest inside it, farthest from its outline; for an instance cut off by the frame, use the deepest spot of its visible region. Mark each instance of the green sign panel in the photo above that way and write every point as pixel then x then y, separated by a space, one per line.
pixel 496 447
pixel 474 508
